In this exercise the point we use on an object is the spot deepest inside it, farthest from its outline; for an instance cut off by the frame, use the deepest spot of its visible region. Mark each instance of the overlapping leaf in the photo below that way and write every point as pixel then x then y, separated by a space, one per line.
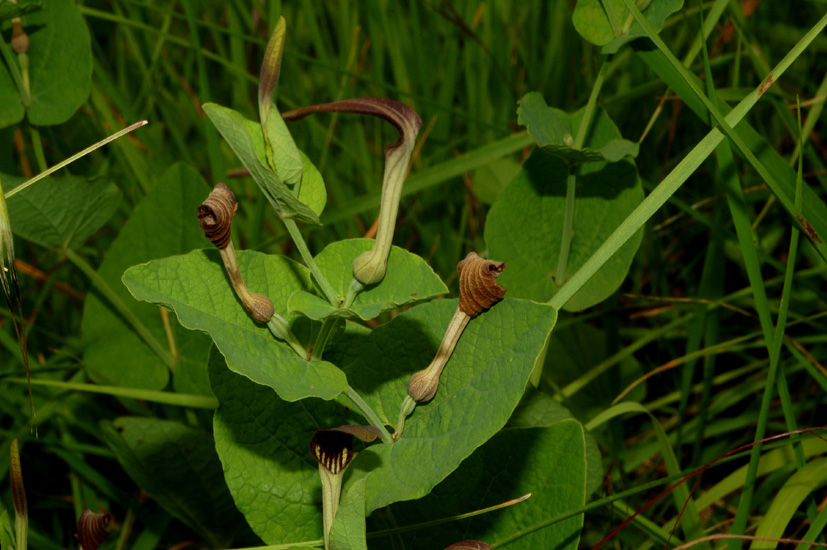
pixel 197 288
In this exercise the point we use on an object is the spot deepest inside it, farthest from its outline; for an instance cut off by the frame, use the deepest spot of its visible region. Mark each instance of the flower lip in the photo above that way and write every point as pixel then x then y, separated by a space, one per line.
pixel 92 529
pixel 333 448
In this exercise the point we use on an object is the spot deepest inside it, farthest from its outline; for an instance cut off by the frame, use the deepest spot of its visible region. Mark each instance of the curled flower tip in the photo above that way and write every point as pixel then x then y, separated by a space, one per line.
pixel 216 215
pixel 469 545
pixel 92 529
pixel 478 288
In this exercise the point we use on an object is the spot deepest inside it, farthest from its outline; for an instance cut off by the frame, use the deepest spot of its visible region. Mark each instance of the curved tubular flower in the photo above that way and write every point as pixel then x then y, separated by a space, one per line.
pixel 478 291
pixel 370 267
pixel 216 215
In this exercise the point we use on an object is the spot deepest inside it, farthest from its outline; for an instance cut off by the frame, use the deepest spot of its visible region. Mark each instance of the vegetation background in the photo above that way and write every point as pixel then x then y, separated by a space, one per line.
pixel 463 65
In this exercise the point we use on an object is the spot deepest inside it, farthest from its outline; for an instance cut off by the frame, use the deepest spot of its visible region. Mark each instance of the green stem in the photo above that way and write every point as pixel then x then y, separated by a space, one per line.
pixel 73 158
pixel 568 229
pixel 281 330
pixel 331 493
pixel 571 182
pixel 320 342
pixel 14 70
pixel 37 145
pixel 368 413
pixel 121 308
pixel 296 235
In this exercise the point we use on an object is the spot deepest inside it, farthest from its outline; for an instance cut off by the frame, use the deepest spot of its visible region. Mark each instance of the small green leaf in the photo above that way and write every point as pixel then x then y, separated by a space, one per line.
pixel 60 61
pixel 349 532
pixel 551 128
pixel 247 141
pixel 163 223
pixel 524 226
pixel 548 462
pixel 178 466
pixel 196 287
pixel 479 389
pixel 62 212
pixel 408 279
pixel 616 27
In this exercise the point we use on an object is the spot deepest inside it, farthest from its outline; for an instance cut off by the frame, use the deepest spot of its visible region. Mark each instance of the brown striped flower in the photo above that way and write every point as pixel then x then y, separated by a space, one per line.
pixel 478 291
pixel 216 215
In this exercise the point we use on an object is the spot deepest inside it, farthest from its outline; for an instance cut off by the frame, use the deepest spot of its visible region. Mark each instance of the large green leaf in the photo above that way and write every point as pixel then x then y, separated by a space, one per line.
pixel 479 388
pixel 348 532
pixel 552 128
pixel 614 29
pixel 197 288
pixel 549 463
pixel 60 61
pixel 247 141
pixel 162 224
pixel 284 156
pixel 540 410
pixel 409 279
pixel 62 212
pixel 178 466
pixel 524 226
pixel 263 442
pixel 264 446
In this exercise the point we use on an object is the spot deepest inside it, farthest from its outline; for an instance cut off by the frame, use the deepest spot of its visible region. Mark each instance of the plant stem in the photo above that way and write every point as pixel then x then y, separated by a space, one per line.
pixel 14 71
pixel 281 330
pixel 571 182
pixel 368 413
pixel 568 228
pixel 37 145
pixel 331 492
pixel 320 342
pixel 405 409
pixel 296 235
pixel 121 308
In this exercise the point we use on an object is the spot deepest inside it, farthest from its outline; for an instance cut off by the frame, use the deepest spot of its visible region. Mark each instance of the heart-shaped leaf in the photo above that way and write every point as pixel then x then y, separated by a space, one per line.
pixel 549 463
pixel 524 226
pixel 113 353
pixel 60 61
pixel 62 212
pixel 553 130
pixel 247 141
pixel 610 24
pixel 408 279
pixel 197 288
